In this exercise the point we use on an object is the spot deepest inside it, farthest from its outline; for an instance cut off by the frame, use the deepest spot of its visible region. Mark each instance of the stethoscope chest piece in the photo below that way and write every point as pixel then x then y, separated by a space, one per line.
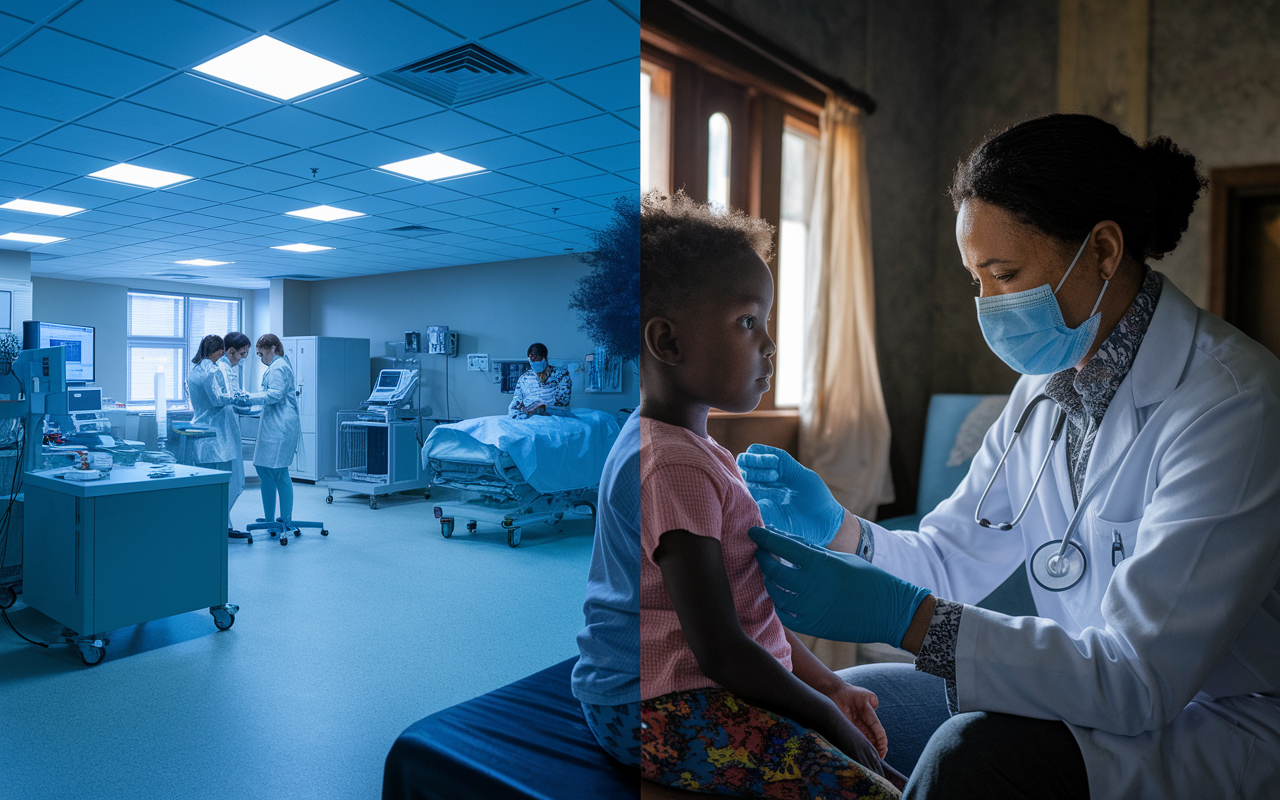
pixel 1057 568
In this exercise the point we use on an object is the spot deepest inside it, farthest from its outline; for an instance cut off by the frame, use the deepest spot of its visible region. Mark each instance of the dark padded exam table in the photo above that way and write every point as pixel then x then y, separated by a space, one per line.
pixel 526 740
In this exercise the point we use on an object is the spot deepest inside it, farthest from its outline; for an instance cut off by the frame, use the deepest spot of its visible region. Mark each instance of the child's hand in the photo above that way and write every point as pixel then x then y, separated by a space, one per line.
pixel 859 705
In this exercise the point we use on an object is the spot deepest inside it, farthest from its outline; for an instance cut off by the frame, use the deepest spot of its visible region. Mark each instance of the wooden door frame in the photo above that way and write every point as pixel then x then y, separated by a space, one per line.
pixel 1227 186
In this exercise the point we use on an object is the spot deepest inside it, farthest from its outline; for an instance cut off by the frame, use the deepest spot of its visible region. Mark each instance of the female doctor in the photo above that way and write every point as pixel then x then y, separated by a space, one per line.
pixel 211 407
pixel 278 430
pixel 1153 668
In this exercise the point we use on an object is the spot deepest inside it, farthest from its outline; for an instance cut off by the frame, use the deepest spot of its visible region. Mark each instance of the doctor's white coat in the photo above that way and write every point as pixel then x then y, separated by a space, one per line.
pixel 280 427
pixel 1166 667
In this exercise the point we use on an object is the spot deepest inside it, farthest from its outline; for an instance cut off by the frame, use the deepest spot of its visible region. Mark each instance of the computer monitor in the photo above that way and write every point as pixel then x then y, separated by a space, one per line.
pixel 76 340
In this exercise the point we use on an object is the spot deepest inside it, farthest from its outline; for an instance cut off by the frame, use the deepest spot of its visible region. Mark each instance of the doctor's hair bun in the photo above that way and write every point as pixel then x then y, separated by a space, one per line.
pixel 1065 173
pixel 1177 186
pixel 689 249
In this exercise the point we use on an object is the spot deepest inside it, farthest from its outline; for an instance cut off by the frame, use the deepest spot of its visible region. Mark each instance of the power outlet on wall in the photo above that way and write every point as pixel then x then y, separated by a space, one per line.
pixel 478 362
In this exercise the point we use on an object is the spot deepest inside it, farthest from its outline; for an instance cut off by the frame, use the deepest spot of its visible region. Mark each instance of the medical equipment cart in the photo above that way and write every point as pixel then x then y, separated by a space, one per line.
pixel 377 456
pixel 102 555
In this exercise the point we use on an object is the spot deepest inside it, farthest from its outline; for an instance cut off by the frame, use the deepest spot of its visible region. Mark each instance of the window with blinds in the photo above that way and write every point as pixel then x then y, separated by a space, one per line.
pixel 164 333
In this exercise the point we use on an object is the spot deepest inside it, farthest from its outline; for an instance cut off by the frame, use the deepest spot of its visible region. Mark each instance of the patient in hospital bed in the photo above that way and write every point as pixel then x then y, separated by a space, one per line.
pixel 730 701
pixel 542 389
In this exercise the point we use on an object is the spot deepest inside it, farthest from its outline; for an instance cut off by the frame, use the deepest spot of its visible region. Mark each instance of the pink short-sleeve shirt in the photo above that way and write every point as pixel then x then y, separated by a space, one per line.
pixel 693 484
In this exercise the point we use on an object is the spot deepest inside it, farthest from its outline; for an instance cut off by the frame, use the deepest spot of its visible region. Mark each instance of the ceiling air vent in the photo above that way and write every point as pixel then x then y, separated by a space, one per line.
pixel 462 75
pixel 178 276
pixel 415 230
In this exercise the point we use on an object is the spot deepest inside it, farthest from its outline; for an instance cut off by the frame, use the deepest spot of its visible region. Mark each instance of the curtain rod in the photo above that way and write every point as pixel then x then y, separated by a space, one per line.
pixel 824 82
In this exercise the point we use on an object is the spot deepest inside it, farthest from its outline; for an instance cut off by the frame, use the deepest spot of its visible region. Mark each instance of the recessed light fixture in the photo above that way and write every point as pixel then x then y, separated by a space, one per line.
pixel 434 167
pixel 31 237
pixel 275 68
pixel 325 213
pixel 36 207
pixel 204 262
pixel 301 248
pixel 140 176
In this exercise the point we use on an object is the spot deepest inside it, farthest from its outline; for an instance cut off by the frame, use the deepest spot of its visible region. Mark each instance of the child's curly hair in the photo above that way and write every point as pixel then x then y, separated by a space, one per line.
pixel 686 245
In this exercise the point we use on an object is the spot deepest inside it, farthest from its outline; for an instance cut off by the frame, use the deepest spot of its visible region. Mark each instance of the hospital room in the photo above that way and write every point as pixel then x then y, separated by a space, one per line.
pixel 335 374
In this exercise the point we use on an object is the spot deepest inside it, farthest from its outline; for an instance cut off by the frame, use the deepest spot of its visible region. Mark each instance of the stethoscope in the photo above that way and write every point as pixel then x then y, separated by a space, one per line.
pixel 1059 564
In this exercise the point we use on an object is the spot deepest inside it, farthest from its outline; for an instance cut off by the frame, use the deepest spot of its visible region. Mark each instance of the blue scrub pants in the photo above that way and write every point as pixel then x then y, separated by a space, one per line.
pixel 976 754
pixel 276 481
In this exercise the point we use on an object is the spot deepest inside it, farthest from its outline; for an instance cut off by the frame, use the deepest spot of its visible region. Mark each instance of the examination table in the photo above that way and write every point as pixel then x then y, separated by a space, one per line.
pixel 524 741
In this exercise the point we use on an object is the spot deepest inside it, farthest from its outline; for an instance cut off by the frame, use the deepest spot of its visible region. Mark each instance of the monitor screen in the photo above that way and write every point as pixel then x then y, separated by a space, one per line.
pixel 76 341
pixel 388 379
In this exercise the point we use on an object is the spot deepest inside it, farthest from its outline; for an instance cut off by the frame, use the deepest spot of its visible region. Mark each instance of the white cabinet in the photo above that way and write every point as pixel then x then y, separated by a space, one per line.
pixel 331 373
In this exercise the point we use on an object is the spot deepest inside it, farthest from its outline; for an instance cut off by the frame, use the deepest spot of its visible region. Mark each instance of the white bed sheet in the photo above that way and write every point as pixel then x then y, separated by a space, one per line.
pixel 554 454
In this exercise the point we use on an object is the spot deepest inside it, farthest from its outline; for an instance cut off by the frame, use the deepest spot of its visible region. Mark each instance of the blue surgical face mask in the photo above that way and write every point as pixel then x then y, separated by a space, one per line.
pixel 538 366
pixel 1027 331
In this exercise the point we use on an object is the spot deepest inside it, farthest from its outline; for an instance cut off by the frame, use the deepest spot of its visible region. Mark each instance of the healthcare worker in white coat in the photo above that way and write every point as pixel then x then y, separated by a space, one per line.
pixel 211 407
pixel 237 350
pixel 278 430
pixel 1153 668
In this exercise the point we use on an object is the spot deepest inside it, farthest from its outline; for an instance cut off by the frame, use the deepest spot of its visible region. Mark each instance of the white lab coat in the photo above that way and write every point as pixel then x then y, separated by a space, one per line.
pixel 230 373
pixel 1166 667
pixel 211 406
pixel 280 428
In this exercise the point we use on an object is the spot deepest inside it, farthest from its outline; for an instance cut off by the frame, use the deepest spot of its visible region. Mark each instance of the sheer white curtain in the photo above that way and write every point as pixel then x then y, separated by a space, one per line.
pixel 844 429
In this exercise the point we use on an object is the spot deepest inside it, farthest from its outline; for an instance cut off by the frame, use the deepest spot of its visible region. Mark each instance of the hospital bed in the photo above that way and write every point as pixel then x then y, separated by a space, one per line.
pixel 519 472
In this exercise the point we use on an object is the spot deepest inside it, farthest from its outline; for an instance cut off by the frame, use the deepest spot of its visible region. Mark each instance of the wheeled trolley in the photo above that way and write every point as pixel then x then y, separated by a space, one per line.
pixel 376 457
pixel 527 510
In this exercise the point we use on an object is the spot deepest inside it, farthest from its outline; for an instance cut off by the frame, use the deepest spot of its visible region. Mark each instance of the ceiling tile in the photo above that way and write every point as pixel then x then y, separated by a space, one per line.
pixel 502 153
pixel 319 193
pixel 481 19
pixel 146 29
pixel 209 190
pixel 563 208
pixel 140 122
pixel 75 62
pixel 35 155
pixel 97 188
pixel 20 126
pixel 227 212
pixel 507 216
pixel 375 205
pixel 534 195
pixel 31 176
pixel 175 202
pixel 599 31
pixel 556 169
pixel 370 150
pixel 484 183
pixel 369 104
pixel 294 126
pixel 61 196
pixel 203 100
pixel 587 134
pixel 631 116
pixel 528 109
pixel 368 36
pixel 614 87
pixel 301 163
pixel 600 184
pixel 425 194
pixel 19 92
pixel 134 209
pixel 371 182
pixel 619 157
pixel 185 162
pixel 31 10
pixel 256 16
pixel 444 131
pixel 269 202
pixel 235 146
pixel 100 144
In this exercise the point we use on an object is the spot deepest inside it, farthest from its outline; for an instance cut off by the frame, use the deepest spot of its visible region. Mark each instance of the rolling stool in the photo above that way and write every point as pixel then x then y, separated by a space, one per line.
pixel 277 528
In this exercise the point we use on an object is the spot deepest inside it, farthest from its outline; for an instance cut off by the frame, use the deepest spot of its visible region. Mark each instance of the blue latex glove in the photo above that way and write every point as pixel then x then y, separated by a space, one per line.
pixel 834 595
pixel 791 497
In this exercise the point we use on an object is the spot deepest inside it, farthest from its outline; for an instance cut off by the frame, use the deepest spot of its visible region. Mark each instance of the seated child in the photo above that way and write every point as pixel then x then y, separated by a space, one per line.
pixel 730 701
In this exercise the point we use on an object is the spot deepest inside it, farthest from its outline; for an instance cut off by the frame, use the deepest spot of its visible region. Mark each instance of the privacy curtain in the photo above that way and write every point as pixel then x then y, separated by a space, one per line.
pixel 844 429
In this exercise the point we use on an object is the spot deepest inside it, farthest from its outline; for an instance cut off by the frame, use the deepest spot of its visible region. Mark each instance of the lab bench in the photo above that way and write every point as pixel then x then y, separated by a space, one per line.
pixel 102 555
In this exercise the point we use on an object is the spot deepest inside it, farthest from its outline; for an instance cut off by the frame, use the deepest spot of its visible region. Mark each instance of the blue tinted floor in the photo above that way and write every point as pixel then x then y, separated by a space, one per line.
pixel 341 642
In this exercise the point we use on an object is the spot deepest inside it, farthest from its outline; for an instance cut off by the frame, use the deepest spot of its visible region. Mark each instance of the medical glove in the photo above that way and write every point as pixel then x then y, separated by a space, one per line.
pixel 833 595
pixel 792 497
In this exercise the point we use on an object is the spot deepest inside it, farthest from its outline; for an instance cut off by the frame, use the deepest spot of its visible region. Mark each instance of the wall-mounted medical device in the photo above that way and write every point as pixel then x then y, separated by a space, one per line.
pixel 506 371
pixel 413 341
pixel 441 341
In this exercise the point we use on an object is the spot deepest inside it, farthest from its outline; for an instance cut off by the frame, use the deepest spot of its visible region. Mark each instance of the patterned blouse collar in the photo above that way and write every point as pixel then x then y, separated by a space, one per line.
pixel 1092 388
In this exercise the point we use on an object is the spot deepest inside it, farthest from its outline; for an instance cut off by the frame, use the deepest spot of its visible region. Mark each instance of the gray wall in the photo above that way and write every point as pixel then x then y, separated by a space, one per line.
pixel 498 309
pixel 104 305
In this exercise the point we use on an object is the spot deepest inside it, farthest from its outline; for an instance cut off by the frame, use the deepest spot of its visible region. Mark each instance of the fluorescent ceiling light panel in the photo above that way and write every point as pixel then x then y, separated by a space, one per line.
pixel 325 213
pixel 204 262
pixel 36 207
pixel 301 248
pixel 31 237
pixel 140 176
pixel 275 68
pixel 435 167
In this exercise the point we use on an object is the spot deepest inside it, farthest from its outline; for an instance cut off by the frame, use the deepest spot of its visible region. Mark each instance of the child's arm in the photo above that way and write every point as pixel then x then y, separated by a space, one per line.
pixel 693 573
pixel 858 704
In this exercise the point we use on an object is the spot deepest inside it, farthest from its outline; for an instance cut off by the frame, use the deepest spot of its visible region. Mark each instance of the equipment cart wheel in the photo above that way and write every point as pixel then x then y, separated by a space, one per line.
pixel 284 537
pixel 7 597
pixel 471 526
pixel 446 527
pixel 224 616
pixel 324 531
pixel 373 501
pixel 91 654
pixel 249 539
pixel 513 536
pixel 329 499
pixel 588 504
